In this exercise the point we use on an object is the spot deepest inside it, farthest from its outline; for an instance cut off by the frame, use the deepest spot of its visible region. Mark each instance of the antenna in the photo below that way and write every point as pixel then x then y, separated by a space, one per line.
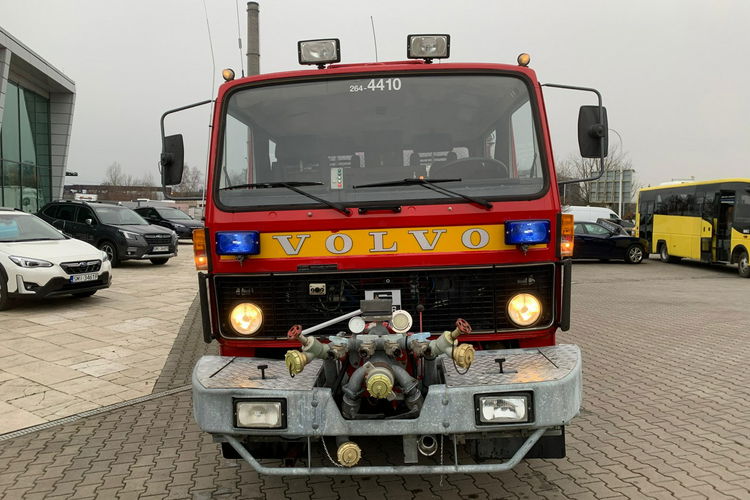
pixel 374 38
pixel 239 37
pixel 211 45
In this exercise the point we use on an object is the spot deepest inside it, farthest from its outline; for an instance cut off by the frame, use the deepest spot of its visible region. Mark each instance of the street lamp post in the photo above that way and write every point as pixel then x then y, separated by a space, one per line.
pixel 619 211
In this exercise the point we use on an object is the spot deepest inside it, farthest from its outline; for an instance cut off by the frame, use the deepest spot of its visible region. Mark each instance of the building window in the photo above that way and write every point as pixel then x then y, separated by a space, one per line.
pixel 25 160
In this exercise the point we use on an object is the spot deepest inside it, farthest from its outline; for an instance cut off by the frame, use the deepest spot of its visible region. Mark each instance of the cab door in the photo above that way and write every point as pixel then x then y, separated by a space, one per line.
pixel 705 200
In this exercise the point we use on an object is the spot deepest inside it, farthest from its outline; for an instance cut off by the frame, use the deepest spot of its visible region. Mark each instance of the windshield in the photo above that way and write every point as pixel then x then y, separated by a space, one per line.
pixel 173 214
pixel 340 135
pixel 19 227
pixel 118 216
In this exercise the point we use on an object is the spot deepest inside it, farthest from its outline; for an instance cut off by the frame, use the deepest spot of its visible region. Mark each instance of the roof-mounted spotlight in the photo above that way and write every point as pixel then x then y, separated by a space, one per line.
pixel 523 59
pixel 319 52
pixel 428 47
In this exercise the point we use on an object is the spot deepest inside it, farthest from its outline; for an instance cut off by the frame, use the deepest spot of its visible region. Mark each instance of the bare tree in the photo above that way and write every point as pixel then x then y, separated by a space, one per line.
pixel 146 180
pixel 575 167
pixel 192 181
pixel 114 176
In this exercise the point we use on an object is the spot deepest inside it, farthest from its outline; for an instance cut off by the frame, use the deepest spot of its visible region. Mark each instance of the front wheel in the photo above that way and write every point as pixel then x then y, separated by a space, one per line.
pixel 743 265
pixel 111 250
pixel 159 262
pixel 634 254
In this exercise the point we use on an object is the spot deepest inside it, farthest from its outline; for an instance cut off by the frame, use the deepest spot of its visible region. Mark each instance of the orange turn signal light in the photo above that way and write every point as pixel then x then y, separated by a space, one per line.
pixel 566 235
pixel 199 249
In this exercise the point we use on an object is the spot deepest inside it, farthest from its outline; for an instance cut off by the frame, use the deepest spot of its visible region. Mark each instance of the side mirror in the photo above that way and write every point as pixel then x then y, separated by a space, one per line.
pixel 591 131
pixel 172 160
pixel 89 222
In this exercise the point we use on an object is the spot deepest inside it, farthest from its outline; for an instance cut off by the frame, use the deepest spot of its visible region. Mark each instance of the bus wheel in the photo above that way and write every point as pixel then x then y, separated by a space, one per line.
pixel 664 254
pixel 743 265
pixel 634 254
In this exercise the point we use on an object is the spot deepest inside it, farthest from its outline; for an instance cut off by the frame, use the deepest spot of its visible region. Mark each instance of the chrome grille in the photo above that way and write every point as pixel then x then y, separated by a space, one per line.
pixel 80 267
pixel 479 295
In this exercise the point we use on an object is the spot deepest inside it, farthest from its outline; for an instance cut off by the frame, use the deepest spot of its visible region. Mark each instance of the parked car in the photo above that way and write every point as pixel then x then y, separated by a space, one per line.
pixel 171 218
pixel 606 240
pixel 37 261
pixel 117 230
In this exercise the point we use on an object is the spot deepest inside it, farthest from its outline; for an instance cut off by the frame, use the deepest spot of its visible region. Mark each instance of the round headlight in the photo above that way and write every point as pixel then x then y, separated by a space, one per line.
pixel 246 318
pixel 524 309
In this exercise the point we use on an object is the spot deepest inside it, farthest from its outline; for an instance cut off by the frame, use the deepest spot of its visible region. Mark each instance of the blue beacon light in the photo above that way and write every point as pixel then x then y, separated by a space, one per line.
pixel 238 243
pixel 527 232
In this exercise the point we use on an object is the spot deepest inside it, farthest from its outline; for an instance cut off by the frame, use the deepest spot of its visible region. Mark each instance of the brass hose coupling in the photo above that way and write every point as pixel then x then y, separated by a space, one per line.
pixel 295 362
pixel 349 454
pixel 379 382
pixel 463 355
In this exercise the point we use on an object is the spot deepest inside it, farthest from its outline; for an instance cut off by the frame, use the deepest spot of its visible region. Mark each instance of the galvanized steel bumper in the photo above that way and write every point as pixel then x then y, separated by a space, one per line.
pixel 551 374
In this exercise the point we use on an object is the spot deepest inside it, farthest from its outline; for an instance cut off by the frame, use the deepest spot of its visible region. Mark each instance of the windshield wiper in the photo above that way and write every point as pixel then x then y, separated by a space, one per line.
pixel 430 184
pixel 294 187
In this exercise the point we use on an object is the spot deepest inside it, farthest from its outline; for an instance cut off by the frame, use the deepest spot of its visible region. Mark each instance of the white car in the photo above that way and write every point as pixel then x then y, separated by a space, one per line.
pixel 37 261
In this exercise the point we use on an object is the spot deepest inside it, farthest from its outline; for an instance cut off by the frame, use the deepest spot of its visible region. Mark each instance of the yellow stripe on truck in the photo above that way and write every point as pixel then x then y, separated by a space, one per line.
pixel 383 241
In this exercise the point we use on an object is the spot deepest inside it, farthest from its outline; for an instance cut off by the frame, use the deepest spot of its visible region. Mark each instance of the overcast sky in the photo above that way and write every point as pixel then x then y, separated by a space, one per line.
pixel 674 74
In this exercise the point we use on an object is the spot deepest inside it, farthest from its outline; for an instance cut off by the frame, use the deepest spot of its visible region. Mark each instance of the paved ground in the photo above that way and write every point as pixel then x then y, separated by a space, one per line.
pixel 665 415
pixel 68 355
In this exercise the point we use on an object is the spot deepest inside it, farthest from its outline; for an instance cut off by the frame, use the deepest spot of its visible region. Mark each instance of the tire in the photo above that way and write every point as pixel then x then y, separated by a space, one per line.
pixel 664 254
pixel 160 261
pixel 81 295
pixel 743 264
pixel 110 249
pixel 634 254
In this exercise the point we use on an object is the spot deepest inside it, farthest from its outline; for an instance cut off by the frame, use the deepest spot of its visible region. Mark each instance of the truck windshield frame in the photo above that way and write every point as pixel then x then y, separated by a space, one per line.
pixel 348 130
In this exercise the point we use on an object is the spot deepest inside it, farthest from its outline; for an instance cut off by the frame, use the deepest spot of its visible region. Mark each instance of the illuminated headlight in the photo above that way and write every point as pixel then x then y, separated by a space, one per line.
pixel 428 46
pixel 29 262
pixel 319 51
pixel 259 414
pixel 503 409
pixel 524 309
pixel 246 318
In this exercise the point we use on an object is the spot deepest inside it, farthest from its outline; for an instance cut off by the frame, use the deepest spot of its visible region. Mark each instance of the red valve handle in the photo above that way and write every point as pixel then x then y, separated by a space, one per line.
pixel 294 332
pixel 463 325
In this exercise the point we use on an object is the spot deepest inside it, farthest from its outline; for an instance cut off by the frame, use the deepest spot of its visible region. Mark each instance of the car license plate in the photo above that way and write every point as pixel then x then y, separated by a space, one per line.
pixel 161 249
pixel 79 278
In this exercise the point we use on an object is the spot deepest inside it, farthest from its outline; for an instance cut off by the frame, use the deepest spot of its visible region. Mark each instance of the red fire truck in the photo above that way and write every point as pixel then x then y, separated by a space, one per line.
pixel 384 256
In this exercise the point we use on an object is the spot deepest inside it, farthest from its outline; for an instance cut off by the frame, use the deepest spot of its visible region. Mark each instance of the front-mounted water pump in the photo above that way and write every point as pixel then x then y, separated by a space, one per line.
pixel 379 358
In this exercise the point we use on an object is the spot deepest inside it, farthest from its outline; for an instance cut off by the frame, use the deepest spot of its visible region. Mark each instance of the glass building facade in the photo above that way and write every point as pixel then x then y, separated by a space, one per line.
pixel 25 167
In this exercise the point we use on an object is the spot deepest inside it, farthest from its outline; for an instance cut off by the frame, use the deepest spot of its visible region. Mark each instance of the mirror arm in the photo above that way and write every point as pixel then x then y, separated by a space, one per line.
pixel 595 131
pixel 167 158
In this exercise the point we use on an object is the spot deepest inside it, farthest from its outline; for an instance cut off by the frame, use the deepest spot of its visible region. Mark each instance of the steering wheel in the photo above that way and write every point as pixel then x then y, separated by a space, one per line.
pixel 481 165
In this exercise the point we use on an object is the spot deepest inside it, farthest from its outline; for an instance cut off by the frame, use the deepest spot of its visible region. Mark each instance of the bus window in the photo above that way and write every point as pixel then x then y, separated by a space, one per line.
pixel 742 213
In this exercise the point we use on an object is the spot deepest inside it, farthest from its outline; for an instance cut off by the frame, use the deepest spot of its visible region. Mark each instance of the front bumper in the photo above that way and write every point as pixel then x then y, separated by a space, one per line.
pixel 147 250
pixel 552 375
pixel 27 289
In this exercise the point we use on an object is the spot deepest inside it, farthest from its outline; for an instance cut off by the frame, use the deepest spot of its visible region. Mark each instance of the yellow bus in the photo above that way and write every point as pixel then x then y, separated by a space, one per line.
pixel 707 221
